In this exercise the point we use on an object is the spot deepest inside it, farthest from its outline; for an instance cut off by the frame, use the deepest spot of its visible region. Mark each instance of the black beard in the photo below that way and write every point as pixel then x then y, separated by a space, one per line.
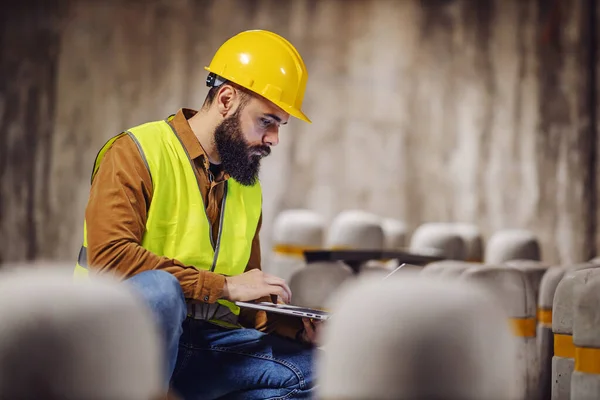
pixel 235 152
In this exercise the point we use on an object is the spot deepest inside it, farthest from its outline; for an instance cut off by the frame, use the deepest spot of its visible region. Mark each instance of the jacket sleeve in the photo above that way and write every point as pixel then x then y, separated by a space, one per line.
pixel 267 322
pixel 116 216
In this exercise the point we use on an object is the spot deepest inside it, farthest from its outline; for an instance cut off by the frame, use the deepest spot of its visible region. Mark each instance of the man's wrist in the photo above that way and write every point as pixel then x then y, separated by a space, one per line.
pixel 225 293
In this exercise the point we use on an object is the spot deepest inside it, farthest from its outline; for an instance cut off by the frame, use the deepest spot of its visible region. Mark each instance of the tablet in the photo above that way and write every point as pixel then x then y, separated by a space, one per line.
pixel 286 309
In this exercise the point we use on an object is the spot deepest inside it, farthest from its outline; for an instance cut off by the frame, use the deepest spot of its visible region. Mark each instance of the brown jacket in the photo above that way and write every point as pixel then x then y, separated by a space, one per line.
pixel 116 215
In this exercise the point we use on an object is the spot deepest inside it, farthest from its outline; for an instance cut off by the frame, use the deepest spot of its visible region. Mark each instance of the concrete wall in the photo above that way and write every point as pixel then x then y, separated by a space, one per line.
pixel 475 111
pixel 29 51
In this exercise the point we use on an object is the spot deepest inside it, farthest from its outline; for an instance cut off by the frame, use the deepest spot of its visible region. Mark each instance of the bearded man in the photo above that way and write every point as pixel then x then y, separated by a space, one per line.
pixel 175 210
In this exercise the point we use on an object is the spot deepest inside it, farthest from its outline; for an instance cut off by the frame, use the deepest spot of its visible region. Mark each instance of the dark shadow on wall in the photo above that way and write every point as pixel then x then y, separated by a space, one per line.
pixel 592 96
pixel 29 48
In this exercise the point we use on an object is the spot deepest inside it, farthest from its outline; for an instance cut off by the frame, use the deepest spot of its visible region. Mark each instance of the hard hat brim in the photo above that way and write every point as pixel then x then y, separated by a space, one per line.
pixel 293 111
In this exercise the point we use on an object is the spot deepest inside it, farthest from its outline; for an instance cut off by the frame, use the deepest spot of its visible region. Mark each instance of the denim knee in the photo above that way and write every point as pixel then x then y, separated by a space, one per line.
pixel 300 371
pixel 163 294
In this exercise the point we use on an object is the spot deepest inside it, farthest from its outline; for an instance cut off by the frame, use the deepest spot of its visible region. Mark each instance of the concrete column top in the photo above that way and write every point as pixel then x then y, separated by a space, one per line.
pixel 441 237
pixel 512 244
pixel 356 229
pixel 96 333
pixel 564 301
pixel 408 351
pixel 303 228
pixel 586 314
pixel 510 285
pixel 312 285
pixel 548 286
pixel 395 232
pixel 534 270
pixel 448 268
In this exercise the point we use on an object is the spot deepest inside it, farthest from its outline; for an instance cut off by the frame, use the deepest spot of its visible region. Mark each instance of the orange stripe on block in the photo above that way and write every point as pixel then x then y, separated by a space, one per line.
pixel 544 317
pixel 587 360
pixel 524 327
pixel 563 346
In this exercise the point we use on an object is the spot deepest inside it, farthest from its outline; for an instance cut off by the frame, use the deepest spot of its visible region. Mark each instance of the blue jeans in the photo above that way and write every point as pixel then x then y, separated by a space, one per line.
pixel 205 361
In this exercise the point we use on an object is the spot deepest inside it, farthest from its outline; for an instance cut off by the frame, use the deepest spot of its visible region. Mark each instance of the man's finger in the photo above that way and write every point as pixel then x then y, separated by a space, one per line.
pixel 278 290
pixel 274 280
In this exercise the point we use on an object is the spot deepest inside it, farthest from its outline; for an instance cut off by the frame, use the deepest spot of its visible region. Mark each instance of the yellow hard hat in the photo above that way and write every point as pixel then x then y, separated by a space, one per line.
pixel 264 63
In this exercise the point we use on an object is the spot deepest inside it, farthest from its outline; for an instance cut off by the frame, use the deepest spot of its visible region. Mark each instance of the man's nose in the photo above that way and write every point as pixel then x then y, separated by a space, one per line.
pixel 272 137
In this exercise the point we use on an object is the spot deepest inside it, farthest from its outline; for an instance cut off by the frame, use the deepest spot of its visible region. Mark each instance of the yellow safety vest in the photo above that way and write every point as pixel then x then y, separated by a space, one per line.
pixel 177 225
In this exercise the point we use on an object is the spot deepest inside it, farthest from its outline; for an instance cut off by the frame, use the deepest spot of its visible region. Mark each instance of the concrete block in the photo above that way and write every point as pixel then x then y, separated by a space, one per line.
pixel 439 237
pixel 425 339
pixel 545 337
pixel 448 268
pixel 299 227
pixel 547 292
pixel 92 339
pixel 595 260
pixel 355 229
pixel 585 381
pixel 473 239
pixel 534 271
pixel 375 268
pixel 313 285
pixel 395 232
pixel 294 231
pixel 285 266
pixel 512 288
pixel 512 244
pixel 562 328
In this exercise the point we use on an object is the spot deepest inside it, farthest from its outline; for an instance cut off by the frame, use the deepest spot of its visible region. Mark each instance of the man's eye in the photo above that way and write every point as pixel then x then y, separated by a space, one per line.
pixel 265 122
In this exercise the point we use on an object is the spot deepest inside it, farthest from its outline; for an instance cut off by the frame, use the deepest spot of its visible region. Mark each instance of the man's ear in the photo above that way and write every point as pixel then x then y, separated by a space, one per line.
pixel 225 99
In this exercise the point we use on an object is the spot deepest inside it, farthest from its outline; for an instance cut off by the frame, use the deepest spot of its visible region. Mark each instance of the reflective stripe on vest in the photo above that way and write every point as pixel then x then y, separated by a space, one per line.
pixel 177 225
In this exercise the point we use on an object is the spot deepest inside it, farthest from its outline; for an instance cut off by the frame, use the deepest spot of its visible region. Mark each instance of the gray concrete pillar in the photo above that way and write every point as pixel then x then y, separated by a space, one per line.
pixel 425 339
pixel 439 238
pixel 395 233
pixel 294 231
pixel 473 239
pixel 534 270
pixel 585 381
pixel 359 230
pixel 545 338
pixel 92 339
pixel 448 268
pixel 356 230
pixel 313 285
pixel 512 288
pixel 595 260
pixel 563 360
pixel 512 244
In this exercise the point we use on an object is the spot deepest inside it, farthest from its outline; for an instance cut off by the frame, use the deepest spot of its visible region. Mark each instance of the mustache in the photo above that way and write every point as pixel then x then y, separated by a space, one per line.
pixel 262 150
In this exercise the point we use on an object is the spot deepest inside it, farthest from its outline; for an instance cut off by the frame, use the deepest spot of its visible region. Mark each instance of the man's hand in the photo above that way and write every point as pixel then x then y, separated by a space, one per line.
pixel 311 331
pixel 253 285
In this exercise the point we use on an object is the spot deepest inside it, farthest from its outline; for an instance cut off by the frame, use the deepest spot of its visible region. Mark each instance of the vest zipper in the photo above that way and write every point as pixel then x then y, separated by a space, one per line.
pixel 214 264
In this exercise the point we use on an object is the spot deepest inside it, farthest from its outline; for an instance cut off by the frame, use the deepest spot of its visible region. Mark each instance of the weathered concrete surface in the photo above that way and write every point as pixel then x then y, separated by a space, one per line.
pixel 465 111
pixel 512 288
pixel 29 47
pixel 585 383
pixel 563 314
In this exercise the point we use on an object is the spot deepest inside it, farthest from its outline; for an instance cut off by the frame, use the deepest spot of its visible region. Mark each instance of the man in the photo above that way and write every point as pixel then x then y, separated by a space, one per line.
pixel 175 208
